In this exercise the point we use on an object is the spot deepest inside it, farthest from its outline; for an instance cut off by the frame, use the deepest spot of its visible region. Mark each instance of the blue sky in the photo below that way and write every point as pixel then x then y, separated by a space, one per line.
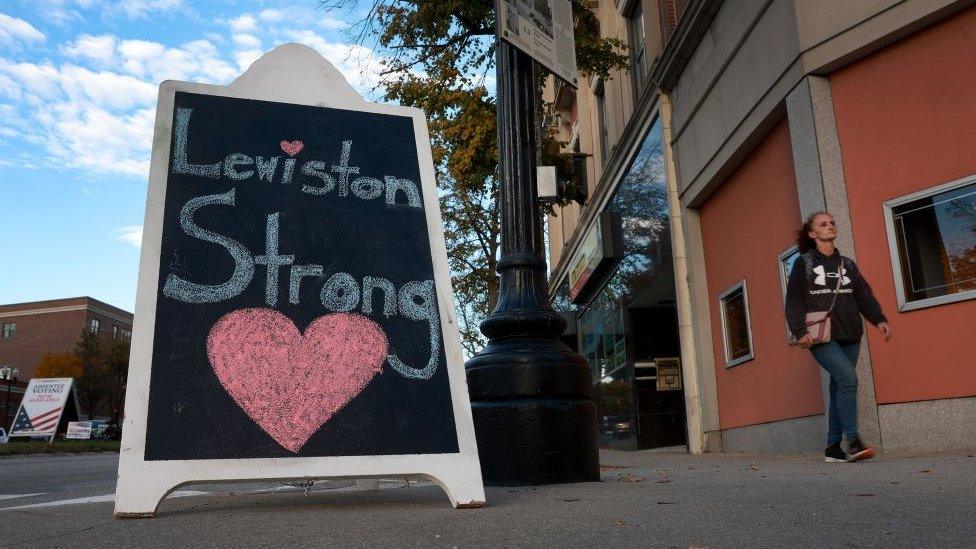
pixel 78 84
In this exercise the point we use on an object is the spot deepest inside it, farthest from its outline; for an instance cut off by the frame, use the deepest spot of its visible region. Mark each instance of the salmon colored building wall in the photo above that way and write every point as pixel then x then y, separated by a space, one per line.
pixel 906 119
pixel 745 225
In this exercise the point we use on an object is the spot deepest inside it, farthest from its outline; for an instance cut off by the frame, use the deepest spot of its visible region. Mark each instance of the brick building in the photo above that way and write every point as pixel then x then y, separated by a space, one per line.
pixel 29 330
pixel 736 121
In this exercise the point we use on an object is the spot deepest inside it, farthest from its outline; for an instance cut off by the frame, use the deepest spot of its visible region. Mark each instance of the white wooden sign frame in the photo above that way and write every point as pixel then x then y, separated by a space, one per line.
pixel 296 74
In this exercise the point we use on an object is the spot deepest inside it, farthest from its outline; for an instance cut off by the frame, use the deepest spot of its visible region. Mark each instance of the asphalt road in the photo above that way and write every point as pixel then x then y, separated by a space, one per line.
pixel 647 499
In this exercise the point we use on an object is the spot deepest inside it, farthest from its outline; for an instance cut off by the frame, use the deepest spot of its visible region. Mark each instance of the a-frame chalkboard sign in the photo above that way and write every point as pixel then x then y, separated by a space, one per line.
pixel 295 315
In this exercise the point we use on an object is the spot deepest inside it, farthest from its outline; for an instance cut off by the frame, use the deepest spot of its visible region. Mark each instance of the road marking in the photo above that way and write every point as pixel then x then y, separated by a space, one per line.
pixel 4 497
pixel 97 499
pixel 108 498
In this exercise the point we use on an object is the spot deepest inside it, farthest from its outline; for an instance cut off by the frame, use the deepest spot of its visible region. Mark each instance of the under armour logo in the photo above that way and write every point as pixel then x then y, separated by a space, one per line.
pixel 822 276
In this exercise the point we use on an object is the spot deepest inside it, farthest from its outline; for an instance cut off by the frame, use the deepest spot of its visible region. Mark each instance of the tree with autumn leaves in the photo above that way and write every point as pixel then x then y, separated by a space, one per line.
pixel 99 366
pixel 438 55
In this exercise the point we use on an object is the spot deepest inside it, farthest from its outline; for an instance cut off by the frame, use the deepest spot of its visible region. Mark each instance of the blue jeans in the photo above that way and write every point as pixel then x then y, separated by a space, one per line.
pixel 839 360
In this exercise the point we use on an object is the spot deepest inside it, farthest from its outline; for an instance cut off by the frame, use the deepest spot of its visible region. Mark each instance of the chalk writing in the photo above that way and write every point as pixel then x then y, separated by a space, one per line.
pixel 191 292
pixel 425 309
pixel 180 163
pixel 340 293
pixel 316 180
pixel 272 260
pixel 295 279
pixel 344 169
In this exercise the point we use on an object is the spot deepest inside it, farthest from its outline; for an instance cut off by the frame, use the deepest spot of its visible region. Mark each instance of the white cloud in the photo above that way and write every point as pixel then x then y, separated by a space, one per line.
pixel 301 16
pixel 64 12
pixel 197 60
pixel 100 49
pixel 13 29
pixel 9 88
pixel 41 80
pixel 142 8
pixel 131 234
pixel 107 89
pixel 244 23
pixel 89 137
pixel 247 40
pixel 272 16
pixel 96 112
pixel 332 23
pixel 359 64
pixel 94 108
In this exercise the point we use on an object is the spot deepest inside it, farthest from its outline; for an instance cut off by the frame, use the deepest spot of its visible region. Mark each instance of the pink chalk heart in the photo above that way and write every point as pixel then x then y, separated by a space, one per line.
pixel 291 384
pixel 292 147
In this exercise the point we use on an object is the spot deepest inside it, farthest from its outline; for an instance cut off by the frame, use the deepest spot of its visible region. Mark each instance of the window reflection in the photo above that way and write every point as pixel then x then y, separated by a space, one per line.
pixel 937 243
pixel 632 317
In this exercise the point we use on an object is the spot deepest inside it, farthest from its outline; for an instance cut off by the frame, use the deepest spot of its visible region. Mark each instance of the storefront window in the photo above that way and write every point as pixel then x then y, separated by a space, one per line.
pixel 603 344
pixel 632 318
pixel 935 244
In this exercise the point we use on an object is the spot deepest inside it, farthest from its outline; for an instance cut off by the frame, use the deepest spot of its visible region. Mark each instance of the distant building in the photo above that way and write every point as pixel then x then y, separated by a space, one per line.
pixel 30 330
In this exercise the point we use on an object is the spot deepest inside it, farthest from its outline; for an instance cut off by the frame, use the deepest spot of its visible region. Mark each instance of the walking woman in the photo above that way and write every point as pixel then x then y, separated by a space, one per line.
pixel 825 284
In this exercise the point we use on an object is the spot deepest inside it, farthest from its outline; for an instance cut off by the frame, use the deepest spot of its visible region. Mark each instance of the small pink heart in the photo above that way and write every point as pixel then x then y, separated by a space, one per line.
pixel 291 384
pixel 292 147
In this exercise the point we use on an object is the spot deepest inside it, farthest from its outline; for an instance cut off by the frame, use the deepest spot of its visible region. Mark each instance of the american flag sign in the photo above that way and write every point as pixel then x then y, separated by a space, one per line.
pixel 42 407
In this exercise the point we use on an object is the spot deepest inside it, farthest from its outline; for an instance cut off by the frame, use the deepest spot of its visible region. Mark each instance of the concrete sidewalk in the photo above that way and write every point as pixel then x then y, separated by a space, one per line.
pixel 647 499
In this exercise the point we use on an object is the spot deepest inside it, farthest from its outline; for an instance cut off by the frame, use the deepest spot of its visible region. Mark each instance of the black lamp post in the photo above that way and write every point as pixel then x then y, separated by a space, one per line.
pixel 530 394
pixel 10 376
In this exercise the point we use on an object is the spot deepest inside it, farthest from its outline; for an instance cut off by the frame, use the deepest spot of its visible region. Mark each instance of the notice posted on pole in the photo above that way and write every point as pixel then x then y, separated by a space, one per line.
pixel 544 30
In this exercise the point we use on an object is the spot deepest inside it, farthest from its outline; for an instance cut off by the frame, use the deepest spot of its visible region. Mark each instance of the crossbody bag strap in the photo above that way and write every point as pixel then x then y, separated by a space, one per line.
pixel 840 278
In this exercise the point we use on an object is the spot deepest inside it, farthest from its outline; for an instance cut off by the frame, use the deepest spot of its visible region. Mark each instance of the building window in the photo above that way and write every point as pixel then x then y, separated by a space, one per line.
pixel 601 120
pixel 736 329
pixel 786 261
pixel 932 238
pixel 638 54
pixel 126 335
pixel 9 328
pixel 94 325
pixel 115 332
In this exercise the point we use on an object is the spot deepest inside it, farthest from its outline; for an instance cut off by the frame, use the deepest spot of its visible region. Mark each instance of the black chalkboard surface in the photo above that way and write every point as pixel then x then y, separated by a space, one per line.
pixel 296 313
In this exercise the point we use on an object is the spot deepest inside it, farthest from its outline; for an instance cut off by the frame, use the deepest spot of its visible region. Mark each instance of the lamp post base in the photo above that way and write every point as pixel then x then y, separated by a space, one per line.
pixel 533 416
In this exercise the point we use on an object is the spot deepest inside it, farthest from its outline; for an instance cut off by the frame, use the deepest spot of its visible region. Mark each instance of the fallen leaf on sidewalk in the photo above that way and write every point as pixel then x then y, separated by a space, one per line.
pixel 571 499
pixel 665 502
pixel 753 466
pixel 925 471
pixel 663 481
pixel 864 495
pixel 619 522
pixel 631 478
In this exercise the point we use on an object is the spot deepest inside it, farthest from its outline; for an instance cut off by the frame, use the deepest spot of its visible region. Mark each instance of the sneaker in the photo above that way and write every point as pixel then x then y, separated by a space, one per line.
pixel 857 451
pixel 833 454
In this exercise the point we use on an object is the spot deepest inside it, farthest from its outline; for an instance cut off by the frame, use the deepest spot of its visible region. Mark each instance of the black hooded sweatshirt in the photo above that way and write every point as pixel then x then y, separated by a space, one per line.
pixel 811 288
